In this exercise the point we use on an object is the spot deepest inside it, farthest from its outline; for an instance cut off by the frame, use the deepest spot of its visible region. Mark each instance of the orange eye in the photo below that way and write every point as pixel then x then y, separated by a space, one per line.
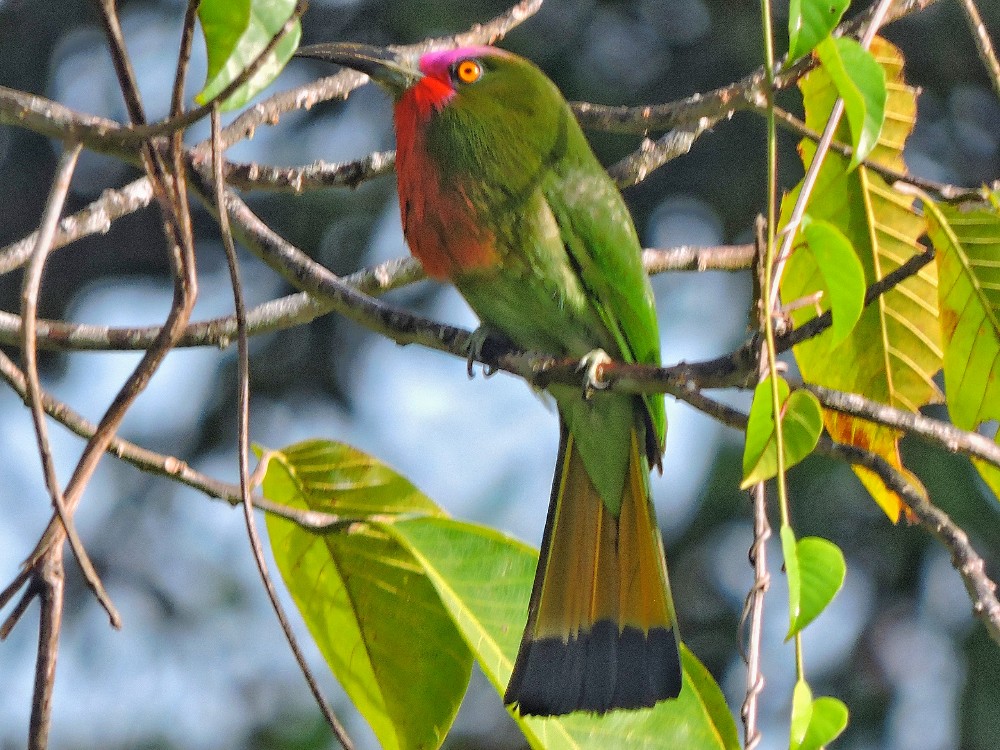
pixel 468 71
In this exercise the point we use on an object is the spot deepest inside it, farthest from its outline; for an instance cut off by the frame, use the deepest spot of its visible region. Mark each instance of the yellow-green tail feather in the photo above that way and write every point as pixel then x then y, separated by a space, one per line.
pixel 601 630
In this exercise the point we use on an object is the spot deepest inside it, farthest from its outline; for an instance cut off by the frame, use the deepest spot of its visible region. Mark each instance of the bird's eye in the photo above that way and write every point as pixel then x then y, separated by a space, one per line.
pixel 467 71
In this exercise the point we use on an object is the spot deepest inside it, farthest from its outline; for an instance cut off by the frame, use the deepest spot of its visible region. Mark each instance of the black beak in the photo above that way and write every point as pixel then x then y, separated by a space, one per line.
pixel 394 71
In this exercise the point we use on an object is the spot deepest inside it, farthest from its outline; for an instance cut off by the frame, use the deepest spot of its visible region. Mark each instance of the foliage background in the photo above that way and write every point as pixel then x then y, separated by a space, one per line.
pixel 201 662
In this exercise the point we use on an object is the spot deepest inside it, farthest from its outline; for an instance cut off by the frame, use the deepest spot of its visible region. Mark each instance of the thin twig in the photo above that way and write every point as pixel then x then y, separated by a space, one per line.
pixel 753 606
pixel 183 58
pixel 695 258
pixel 50 588
pixel 31 284
pixel 753 612
pixel 243 439
pixel 984 44
pixel 651 155
pixel 96 218
pixel 47 580
pixel 150 462
pixel 319 174
pixel 128 84
pixel 890 281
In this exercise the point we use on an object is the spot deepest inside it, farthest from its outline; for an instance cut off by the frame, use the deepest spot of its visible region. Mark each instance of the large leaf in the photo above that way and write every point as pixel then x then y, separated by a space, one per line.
pixel 801 421
pixel 372 610
pixel 894 351
pixel 374 594
pixel 967 241
pixel 484 578
pixel 236 32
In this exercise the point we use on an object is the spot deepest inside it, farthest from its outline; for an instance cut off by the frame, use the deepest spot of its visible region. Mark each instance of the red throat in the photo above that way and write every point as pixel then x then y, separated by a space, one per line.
pixel 442 227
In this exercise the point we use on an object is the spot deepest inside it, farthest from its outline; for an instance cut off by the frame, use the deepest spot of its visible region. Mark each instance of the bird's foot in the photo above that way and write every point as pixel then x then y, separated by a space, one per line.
pixel 477 341
pixel 591 365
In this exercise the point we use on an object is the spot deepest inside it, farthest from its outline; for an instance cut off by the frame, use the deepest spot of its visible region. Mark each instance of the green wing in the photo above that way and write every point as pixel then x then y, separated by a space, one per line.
pixel 600 238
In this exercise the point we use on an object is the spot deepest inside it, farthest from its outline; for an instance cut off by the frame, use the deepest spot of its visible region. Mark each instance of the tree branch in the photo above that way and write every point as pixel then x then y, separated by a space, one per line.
pixel 964 558
pixel 943 190
pixel 723 102
pixel 296 309
pixel 931 430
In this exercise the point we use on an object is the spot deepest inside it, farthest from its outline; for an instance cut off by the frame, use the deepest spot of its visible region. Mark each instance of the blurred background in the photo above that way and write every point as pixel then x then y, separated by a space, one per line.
pixel 201 662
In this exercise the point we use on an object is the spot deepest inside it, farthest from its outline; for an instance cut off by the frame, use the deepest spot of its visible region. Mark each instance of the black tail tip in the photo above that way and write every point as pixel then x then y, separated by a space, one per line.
pixel 597 671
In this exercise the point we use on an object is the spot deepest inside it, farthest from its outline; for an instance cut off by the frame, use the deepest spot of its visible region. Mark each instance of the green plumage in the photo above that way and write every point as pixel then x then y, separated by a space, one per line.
pixel 569 278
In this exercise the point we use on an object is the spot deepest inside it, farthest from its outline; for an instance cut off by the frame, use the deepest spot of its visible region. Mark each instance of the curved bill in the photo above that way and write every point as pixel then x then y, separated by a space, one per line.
pixel 392 70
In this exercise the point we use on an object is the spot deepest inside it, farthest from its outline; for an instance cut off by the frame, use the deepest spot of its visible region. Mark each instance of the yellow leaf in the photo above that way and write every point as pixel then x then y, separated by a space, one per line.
pixel 894 351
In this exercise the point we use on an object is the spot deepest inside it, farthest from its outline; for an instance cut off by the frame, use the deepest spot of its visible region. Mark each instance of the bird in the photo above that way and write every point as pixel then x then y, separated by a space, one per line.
pixel 501 195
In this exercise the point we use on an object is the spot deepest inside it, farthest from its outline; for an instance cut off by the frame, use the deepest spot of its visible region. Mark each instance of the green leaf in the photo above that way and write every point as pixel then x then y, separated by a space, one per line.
pixel 789 553
pixel 861 83
pixel 967 241
pixel 802 423
pixel 371 608
pixel 484 578
pixel 236 32
pixel 827 720
pixel 802 706
pixel 843 275
pixel 815 723
pixel 374 593
pixel 816 571
pixel 809 21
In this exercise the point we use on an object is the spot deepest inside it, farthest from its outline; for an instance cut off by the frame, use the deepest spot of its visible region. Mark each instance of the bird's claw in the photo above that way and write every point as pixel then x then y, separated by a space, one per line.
pixel 591 365
pixel 475 350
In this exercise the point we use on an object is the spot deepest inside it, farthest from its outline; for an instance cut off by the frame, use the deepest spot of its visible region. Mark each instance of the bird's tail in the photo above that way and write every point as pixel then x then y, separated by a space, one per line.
pixel 601 630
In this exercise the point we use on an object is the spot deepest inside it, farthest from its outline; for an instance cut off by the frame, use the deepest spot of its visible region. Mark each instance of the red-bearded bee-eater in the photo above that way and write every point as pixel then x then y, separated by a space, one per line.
pixel 501 195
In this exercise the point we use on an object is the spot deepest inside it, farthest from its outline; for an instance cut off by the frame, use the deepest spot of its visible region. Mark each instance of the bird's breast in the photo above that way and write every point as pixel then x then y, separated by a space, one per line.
pixel 447 231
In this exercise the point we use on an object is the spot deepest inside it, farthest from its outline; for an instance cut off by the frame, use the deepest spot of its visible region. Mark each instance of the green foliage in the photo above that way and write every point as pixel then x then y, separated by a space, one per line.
pixel 815 568
pixel 861 83
pixel 811 21
pixel 894 350
pixel 802 423
pixel 815 723
pixel 843 276
pixel 375 592
pixel 370 607
pixel 967 241
pixel 236 32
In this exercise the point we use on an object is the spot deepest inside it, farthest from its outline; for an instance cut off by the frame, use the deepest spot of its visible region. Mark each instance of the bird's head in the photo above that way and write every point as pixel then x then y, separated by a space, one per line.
pixel 477 81
pixel 480 117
